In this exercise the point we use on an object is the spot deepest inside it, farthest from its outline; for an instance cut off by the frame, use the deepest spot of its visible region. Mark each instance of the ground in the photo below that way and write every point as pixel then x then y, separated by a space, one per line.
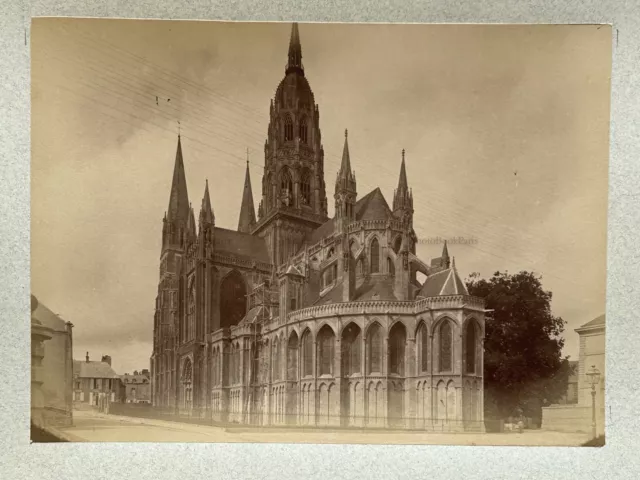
pixel 94 427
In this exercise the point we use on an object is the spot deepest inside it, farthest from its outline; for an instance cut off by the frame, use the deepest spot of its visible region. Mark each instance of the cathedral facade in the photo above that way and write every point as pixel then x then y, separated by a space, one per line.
pixel 296 318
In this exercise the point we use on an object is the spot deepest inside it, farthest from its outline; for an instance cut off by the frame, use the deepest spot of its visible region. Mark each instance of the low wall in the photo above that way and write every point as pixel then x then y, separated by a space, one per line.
pixel 571 418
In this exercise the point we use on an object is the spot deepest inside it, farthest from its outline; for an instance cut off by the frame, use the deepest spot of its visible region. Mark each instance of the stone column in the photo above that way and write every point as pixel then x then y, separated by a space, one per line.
pixel 410 393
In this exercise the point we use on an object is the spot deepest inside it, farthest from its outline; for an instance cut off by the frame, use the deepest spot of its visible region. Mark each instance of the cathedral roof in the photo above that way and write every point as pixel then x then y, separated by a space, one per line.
pixel 373 206
pixel 240 244
pixel 444 282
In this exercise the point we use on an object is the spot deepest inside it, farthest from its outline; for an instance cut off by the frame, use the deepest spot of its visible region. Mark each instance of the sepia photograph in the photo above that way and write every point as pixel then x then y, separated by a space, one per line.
pixel 319 232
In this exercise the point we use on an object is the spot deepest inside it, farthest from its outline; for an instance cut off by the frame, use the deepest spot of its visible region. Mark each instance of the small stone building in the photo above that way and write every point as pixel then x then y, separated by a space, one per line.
pixel 137 387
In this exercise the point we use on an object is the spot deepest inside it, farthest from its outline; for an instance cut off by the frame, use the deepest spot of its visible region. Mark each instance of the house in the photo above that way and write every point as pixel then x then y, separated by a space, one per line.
pixel 93 380
pixel 137 387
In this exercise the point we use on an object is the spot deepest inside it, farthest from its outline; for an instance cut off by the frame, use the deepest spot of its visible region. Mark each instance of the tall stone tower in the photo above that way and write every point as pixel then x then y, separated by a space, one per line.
pixel 294 200
pixel 178 225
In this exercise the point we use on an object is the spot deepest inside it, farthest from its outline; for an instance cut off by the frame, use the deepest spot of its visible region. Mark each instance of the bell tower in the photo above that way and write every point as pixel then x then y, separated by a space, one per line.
pixel 293 201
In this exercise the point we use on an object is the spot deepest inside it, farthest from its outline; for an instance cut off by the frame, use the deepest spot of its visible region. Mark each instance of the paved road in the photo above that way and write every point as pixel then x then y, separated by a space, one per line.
pixel 93 427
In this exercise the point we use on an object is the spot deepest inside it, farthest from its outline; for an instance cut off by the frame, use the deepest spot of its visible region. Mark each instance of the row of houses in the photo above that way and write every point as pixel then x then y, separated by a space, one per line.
pixel 97 380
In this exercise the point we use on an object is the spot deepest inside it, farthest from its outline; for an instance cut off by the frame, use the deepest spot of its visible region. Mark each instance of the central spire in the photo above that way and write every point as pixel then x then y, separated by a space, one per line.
pixel 295 52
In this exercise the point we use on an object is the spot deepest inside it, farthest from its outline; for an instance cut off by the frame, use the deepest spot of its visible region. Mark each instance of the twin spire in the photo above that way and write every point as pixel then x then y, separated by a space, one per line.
pixel 247 210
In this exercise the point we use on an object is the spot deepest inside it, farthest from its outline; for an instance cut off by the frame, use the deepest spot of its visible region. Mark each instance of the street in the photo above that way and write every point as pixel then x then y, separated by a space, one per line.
pixel 90 426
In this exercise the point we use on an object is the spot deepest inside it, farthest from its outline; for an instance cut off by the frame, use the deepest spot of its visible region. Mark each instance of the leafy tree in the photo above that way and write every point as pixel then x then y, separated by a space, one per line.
pixel 523 363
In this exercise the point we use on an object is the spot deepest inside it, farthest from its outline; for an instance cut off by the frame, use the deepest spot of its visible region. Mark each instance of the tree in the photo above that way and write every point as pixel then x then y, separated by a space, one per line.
pixel 523 363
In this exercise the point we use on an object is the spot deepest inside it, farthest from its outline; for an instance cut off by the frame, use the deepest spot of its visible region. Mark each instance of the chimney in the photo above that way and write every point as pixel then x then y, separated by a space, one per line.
pixel 145 371
pixel 87 357
pixel 106 359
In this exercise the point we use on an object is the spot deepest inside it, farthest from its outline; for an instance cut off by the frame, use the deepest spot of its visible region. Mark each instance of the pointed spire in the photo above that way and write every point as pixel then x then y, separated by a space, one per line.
pixel 402 181
pixel 402 197
pixel 445 256
pixel 346 178
pixel 206 212
pixel 247 210
pixel 178 200
pixel 295 52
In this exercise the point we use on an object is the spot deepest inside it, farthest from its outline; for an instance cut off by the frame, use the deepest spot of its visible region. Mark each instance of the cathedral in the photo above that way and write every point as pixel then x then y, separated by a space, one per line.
pixel 295 318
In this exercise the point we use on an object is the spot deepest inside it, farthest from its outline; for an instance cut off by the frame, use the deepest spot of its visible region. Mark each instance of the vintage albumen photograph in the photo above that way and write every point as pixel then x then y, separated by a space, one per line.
pixel 318 233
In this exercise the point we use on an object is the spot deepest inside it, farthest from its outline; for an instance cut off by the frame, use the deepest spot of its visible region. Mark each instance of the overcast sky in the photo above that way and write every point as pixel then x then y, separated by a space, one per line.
pixel 505 130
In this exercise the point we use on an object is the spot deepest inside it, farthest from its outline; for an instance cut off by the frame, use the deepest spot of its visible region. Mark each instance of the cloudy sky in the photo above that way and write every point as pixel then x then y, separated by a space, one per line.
pixel 505 129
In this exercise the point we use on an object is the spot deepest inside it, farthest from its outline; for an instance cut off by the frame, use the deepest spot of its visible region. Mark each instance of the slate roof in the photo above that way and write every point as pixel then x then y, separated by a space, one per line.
pixel 372 206
pixel 93 369
pixel 240 244
pixel 595 322
pixel 445 282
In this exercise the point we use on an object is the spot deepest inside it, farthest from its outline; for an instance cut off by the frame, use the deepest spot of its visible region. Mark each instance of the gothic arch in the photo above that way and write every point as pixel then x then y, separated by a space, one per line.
pixel 285 182
pixel 303 130
pixel 351 342
pixel 374 346
pixel 306 345
pixel 326 350
pixel 374 255
pixel 292 357
pixel 288 128
pixel 445 341
pixel 305 187
pixel 233 299
pixel 423 343
pixel 397 348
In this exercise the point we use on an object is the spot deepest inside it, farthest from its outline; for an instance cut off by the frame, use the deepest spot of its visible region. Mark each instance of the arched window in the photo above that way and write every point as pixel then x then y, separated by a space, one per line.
pixel 286 187
pixel 374 345
pixel 292 357
pixel 471 342
pixel 288 129
pixel 307 352
pixel 391 267
pixel 233 301
pixel 303 130
pixel 375 256
pixel 351 339
pixel 360 267
pixel 325 349
pixel 397 341
pixel 305 187
pixel 446 346
pixel 276 360
pixel 424 348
